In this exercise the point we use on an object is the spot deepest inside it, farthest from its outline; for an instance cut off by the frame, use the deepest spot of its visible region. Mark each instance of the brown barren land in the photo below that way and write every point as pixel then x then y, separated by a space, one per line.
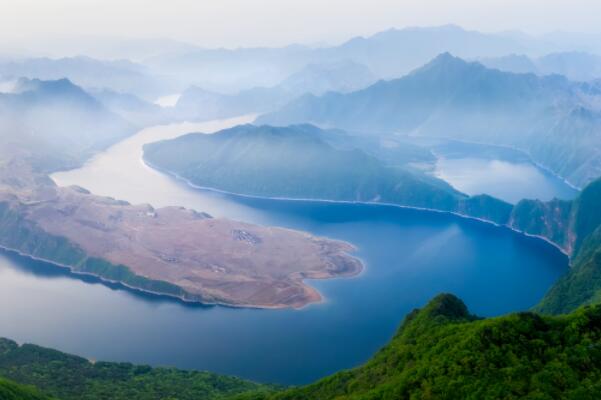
pixel 215 260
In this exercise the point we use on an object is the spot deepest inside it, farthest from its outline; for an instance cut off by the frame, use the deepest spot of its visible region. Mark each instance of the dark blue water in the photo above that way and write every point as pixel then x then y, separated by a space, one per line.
pixel 410 256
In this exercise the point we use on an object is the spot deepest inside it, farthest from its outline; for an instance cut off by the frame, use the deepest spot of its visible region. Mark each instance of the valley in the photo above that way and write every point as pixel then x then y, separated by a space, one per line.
pixel 196 208
pixel 402 250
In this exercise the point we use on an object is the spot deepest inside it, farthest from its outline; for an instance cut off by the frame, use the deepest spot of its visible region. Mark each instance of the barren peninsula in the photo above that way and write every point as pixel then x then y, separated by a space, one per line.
pixel 171 251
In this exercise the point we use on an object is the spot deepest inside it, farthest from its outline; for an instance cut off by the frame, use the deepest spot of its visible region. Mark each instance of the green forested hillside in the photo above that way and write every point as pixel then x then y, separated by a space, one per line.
pixel 297 162
pixel 581 285
pixel 443 352
pixel 70 377
pixel 12 391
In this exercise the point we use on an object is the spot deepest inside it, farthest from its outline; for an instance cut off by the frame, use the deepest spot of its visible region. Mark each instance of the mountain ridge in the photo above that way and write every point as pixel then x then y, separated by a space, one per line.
pixel 555 121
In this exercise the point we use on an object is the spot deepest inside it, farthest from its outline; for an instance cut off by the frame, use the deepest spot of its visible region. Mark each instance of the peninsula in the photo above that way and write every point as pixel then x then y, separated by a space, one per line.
pixel 170 251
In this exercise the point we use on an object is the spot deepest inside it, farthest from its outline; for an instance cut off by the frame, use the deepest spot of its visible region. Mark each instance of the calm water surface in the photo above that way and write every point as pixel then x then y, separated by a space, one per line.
pixel 410 256
pixel 503 173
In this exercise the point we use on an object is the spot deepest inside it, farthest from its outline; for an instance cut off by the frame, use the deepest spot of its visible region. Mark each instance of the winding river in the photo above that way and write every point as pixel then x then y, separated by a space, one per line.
pixel 410 256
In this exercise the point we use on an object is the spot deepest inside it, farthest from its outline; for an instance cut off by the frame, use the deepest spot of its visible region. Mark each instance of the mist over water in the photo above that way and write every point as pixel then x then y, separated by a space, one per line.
pixel 509 181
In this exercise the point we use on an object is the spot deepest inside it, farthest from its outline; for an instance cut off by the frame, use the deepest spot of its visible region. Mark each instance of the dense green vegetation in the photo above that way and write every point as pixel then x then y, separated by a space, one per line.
pixel 12 391
pixel 581 285
pixel 443 352
pixel 439 352
pixel 70 377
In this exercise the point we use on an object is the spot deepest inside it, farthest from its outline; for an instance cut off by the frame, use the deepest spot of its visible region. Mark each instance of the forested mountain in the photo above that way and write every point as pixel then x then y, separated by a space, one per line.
pixel 575 225
pixel 298 162
pixel 444 352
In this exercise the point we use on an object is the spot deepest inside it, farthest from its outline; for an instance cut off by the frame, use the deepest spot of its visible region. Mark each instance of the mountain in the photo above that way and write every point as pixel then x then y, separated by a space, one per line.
pixel 343 76
pixel 196 103
pixel 388 54
pixel 516 63
pixel 574 226
pixel 556 121
pixel 395 52
pixel 89 73
pixel 444 352
pixel 132 108
pixel 56 124
pixel 581 227
pixel 575 65
pixel 232 70
pixel 298 161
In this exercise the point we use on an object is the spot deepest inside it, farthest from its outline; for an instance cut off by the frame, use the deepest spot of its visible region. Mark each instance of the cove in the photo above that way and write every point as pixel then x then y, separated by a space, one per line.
pixel 410 256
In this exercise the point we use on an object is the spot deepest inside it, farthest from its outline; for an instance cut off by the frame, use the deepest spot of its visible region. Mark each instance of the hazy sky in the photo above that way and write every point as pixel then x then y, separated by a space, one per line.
pixel 274 22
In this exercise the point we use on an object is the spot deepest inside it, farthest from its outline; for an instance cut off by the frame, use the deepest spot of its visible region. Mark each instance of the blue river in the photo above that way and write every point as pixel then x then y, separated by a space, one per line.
pixel 410 256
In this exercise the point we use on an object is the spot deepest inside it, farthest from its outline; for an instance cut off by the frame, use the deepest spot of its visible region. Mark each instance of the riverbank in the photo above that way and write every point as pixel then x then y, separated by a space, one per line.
pixel 457 214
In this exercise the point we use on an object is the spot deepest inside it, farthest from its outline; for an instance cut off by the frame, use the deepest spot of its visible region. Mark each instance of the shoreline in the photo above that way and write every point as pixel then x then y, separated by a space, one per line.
pixel 373 203
pixel 355 274
pixel 167 296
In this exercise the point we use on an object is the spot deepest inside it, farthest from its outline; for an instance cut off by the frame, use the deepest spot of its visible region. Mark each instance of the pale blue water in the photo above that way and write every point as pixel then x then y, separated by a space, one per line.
pixel 410 256
pixel 500 172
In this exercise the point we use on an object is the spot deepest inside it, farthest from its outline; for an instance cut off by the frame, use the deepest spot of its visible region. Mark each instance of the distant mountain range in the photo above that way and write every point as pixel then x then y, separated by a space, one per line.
pixel 556 121
pixel 132 108
pixel 341 76
pixel 574 65
pixel 389 54
pixel 56 124
pixel 119 75
pixel 200 104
